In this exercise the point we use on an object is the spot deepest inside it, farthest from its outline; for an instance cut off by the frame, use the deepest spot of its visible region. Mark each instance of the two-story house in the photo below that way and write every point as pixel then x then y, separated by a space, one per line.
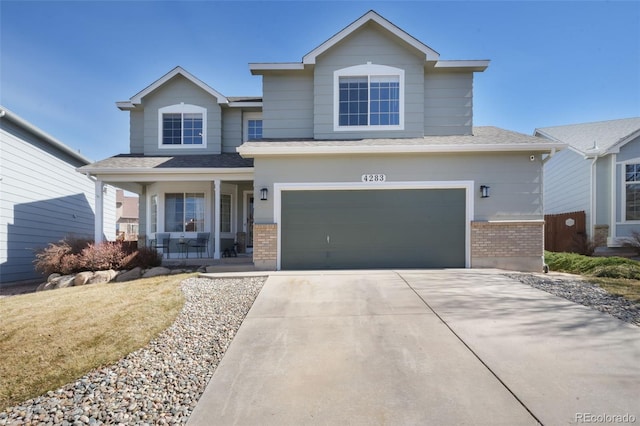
pixel 362 155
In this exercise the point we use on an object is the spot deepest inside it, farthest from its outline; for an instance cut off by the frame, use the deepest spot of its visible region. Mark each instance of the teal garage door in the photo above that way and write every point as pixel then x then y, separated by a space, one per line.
pixel 358 229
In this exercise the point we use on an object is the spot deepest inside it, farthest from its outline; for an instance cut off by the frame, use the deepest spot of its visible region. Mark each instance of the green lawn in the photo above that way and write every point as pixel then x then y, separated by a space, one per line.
pixel 51 338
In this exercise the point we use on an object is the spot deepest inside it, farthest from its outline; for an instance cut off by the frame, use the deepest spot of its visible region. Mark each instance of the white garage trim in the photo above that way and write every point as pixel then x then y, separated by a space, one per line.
pixel 343 186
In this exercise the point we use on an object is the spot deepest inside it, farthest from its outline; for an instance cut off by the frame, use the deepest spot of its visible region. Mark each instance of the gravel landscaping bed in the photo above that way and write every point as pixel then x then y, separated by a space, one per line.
pixel 584 293
pixel 158 384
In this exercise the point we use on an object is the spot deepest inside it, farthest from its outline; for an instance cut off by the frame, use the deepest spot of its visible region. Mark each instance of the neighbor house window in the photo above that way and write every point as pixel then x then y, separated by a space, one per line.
pixel 632 191
pixel 369 97
pixel 184 212
pixel 252 126
pixel 182 126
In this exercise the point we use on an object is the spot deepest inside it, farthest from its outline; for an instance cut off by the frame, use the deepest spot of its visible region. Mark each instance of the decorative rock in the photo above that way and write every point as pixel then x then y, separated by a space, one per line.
pixel 101 277
pixel 157 271
pixel 82 278
pixel 162 382
pixel 52 276
pixel 64 281
pixel 133 274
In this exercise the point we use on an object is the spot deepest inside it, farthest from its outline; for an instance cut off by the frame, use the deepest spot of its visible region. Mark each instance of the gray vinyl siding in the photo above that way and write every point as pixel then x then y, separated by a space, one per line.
pixel 448 103
pixel 567 183
pixel 287 110
pixel 603 192
pixel 136 131
pixel 515 181
pixel 369 44
pixel 231 129
pixel 173 92
pixel 42 200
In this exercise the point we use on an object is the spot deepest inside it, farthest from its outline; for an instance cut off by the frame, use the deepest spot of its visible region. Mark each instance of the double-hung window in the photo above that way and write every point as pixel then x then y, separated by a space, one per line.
pixel 632 191
pixel 182 126
pixel 369 97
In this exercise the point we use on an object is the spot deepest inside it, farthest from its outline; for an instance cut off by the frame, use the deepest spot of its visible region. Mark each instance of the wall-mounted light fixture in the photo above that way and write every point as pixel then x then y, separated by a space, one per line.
pixel 484 191
pixel 263 194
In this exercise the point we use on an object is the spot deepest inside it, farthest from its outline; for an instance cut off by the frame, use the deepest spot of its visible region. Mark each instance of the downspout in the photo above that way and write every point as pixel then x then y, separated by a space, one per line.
pixel 593 196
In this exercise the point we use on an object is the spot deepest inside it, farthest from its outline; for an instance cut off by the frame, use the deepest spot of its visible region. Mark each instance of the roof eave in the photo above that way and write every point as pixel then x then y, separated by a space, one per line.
pixel 11 116
pixel 254 151
pixel 165 170
pixel 430 54
pixel 258 68
pixel 137 98
pixel 464 65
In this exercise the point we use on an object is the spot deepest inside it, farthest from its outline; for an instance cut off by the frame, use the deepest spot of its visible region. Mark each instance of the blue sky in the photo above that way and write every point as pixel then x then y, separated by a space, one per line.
pixel 63 65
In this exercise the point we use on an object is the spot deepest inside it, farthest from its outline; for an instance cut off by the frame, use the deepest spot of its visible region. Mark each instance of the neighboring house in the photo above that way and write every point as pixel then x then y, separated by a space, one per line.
pixel 42 198
pixel 362 155
pixel 599 174
pixel 126 216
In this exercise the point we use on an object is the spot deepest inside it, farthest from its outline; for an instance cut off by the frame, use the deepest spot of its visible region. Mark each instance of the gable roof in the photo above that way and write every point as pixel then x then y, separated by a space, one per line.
pixel 6 114
pixel 431 55
pixel 370 16
pixel 137 98
pixel 595 138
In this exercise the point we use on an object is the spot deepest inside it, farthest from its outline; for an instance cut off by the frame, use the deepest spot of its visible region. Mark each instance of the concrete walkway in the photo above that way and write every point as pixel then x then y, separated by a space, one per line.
pixel 440 347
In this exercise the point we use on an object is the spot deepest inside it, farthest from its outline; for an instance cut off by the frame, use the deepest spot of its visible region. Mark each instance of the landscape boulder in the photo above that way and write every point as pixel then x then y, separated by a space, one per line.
pixel 133 274
pixel 156 272
pixel 101 277
pixel 82 278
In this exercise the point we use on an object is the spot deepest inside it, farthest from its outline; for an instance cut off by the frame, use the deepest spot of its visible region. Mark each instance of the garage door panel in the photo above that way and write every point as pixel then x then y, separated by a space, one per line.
pixel 373 228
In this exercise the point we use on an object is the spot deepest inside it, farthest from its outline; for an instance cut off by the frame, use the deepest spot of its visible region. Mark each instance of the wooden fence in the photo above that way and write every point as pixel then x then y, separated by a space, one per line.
pixel 565 232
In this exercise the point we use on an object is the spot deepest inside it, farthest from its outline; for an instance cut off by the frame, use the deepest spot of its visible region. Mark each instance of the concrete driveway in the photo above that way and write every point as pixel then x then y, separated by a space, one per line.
pixel 441 347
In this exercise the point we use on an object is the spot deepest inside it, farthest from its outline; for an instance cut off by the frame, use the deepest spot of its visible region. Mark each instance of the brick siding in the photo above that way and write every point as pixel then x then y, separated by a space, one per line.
pixel 507 239
pixel 265 242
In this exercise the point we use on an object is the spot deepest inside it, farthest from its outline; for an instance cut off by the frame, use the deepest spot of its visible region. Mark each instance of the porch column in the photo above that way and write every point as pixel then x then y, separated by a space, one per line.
pixel 216 220
pixel 99 212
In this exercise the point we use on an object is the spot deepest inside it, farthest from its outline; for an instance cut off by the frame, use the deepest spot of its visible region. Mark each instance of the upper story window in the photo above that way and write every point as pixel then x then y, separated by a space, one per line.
pixel 252 129
pixel 182 125
pixel 369 97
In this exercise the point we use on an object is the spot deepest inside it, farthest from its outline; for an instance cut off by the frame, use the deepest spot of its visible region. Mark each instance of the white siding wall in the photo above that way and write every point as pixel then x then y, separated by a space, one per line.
pixel 42 200
pixel 567 183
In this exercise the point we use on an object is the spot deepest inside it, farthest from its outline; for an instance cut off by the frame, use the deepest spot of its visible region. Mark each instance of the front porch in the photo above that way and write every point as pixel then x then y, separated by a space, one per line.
pixel 242 263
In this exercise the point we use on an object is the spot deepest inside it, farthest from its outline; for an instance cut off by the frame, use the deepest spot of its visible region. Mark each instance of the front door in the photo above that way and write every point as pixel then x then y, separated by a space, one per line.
pixel 248 220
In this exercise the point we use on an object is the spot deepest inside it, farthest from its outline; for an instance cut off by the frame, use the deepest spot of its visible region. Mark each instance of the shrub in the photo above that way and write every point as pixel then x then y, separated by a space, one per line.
pixel 144 257
pixel 611 267
pixel 74 255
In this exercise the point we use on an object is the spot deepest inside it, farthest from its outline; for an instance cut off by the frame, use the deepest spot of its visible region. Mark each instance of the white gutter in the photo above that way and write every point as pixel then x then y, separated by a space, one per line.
pixel 165 170
pixel 11 116
pixel 273 149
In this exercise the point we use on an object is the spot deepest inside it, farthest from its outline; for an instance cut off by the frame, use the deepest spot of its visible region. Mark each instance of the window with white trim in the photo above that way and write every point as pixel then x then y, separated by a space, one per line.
pixel 632 191
pixel 369 97
pixel 182 125
pixel 184 212
pixel 252 129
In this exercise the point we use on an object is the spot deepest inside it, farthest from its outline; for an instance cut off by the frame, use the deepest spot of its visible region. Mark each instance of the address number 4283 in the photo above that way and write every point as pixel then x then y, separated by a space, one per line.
pixel 374 177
